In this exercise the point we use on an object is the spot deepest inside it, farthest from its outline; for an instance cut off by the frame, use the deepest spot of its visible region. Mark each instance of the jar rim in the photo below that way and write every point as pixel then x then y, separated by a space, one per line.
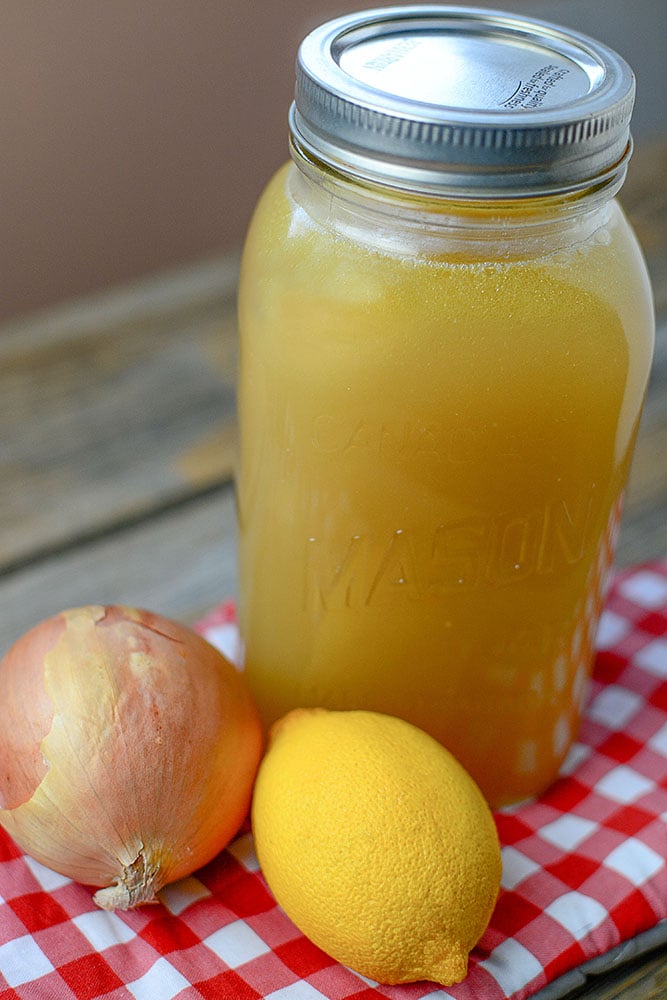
pixel 416 98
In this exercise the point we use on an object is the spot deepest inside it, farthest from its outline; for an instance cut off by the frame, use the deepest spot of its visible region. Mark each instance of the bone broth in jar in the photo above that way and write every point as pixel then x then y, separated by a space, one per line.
pixel 446 333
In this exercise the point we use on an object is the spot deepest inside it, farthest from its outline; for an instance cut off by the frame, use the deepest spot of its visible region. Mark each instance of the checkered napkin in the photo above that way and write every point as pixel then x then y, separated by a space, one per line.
pixel 584 870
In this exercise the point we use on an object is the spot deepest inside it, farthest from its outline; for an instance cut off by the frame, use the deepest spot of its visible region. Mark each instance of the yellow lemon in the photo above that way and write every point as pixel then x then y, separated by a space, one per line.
pixel 376 843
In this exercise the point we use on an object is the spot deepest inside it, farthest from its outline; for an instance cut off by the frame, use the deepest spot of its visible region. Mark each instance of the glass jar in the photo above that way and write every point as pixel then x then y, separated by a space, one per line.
pixel 446 333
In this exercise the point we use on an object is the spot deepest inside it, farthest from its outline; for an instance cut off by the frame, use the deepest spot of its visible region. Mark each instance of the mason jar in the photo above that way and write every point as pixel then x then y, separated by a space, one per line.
pixel 446 332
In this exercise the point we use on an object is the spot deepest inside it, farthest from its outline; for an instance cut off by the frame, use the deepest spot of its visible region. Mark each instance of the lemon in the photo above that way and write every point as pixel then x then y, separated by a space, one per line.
pixel 376 843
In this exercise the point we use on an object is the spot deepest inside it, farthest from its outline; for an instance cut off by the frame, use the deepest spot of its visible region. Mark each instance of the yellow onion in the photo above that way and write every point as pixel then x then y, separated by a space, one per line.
pixel 128 750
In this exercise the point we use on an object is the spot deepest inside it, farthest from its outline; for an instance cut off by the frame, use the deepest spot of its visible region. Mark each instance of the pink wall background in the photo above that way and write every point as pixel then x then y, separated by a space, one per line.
pixel 137 135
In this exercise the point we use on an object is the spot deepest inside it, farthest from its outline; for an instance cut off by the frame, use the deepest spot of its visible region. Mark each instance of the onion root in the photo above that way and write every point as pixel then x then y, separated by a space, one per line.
pixel 139 883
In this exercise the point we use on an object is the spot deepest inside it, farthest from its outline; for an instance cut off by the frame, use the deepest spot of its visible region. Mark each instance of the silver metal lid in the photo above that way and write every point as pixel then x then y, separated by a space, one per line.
pixel 462 101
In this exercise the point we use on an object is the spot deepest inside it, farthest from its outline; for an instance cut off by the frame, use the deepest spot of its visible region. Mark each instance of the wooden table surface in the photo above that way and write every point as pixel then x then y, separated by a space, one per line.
pixel 117 453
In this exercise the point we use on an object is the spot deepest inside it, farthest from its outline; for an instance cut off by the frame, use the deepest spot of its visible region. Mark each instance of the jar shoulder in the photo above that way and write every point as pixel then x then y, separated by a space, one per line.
pixel 336 218
pixel 306 239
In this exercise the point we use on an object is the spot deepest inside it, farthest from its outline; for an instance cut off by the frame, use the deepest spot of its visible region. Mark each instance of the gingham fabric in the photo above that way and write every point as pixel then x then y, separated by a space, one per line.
pixel 584 870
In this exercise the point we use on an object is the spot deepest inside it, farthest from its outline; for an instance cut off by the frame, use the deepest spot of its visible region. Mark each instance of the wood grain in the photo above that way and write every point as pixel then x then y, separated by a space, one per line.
pixel 643 979
pixel 181 562
pixel 108 409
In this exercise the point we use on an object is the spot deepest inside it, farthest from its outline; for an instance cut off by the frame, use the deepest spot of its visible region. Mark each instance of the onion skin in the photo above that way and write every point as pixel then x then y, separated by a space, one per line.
pixel 128 750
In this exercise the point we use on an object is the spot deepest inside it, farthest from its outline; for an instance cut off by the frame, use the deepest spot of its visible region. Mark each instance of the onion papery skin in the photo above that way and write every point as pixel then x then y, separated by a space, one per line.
pixel 128 750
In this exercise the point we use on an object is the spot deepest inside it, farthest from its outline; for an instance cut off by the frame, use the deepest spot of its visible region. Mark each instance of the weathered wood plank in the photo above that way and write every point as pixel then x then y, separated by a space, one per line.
pixel 108 409
pixel 180 563
pixel 173 295
pixel 643 979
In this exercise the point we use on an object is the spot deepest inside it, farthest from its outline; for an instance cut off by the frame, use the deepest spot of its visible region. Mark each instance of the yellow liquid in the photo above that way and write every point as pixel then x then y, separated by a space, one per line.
pixel 433 454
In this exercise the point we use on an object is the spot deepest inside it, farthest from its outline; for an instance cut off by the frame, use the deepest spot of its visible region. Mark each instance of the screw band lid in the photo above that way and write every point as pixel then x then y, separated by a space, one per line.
pixel 462 101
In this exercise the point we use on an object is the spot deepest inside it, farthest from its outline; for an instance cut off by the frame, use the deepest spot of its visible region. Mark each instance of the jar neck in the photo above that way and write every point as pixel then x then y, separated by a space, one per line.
pixel 415 224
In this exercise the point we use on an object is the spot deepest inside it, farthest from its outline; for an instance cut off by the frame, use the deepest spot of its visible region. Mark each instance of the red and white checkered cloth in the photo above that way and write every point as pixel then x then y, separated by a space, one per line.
pixel 584 869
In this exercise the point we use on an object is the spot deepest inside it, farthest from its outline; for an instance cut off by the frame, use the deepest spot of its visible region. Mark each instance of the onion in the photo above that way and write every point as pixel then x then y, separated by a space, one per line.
pixel 128 750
